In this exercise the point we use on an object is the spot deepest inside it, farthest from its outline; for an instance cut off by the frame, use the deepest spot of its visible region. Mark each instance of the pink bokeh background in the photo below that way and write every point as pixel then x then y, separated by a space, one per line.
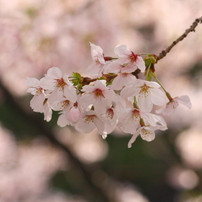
pixel 36 35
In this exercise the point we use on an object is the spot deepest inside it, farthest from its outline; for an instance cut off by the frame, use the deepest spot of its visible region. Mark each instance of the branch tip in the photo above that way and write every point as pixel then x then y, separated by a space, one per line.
pixel 163 53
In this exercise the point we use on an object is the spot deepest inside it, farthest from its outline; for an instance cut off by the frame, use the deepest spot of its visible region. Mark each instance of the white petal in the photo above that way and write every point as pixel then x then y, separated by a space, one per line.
pixel 74 114
pixel 57 94
pixel 70 93
pixel 117 83
pixel 160 120
pixel 100 126
pixel 32 91
pixel 157 97
pixel 36 103
pixel 62 120
pixel 84 127
pixel 122 80
pixel 128 123
pixel 85 100
pixel 147 134
pixel 168 109
pixel 95 69
pixel 184 99
pixel 113 67
pixel 128 68
pixel 54 73
pixel 144 103
pixel 130 91
pixel 100 84
pixel 140 64
pixel 100 106
pixel 47 83
pixel 110 95
pixel 47 112
pixel 97 53
pixel 133 138
pixel 32 82
pixel 122 50
pixel 152 84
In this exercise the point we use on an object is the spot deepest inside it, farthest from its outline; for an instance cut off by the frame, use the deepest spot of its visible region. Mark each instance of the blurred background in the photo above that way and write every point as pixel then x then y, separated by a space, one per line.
pixel 40 162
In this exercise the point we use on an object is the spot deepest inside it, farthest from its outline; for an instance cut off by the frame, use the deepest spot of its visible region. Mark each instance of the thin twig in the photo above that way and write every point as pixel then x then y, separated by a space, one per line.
pixel 184 35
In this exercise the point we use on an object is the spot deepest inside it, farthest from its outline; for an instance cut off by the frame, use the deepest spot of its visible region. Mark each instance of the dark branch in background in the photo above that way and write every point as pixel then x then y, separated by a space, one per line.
pixel 184 35
pixel 33 121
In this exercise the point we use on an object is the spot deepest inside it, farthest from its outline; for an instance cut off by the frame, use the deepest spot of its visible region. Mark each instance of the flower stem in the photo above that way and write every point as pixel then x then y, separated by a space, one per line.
pixel 166 92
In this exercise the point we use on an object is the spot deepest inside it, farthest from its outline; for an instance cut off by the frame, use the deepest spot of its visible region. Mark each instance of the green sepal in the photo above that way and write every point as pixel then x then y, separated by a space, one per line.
pixel 149 59
pixel 149 74
pixel 79 86
pixel 76 75
pixel 76 78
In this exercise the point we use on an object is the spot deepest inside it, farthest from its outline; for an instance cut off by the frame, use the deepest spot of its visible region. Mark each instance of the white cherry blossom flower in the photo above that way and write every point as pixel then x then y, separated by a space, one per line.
pixel 127 62
pixel 88 121
pixel 34 86
pixel 110 119
pixel 129 121
pixel 58 85
pixel 174 103
pixel 97 67
pixel 98 96
pixel 147 94
pixel 146 132
pixel 69 117
pixel 154 120
pixel 39 102
pixel 122 80
pixel 65 104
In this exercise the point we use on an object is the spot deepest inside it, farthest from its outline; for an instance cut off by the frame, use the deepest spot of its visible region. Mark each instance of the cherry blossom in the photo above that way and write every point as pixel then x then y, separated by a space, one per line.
pixel 64 105
pixel 146 132
pixel 88 121
pixel 174 103
pixel 127 61
pixel 122 80
pixel 97 67
pixel 98 96
pixel 147 94
pixel 129 121
pixel 39 102
pixel 110 119
pixel 113 96
pixel 58 85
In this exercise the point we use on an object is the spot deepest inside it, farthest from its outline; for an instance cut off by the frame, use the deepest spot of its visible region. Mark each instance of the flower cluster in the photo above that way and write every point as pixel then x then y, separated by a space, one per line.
pixel 118 92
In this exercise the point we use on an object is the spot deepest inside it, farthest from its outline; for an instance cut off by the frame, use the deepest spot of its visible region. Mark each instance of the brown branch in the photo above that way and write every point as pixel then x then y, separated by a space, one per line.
pixel 184 35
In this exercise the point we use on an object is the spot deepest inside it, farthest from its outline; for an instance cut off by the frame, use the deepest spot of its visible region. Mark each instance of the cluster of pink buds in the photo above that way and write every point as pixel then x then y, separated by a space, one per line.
pixel 119 92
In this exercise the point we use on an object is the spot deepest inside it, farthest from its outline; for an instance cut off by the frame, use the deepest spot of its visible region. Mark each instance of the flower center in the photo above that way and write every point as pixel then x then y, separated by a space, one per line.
pixel 64 104
pixel 145 132
pixel 145 90
pixel 124 74
pixel 174 104
pixel 133 57
pixel 135 114
pixel 89 118
pixel 39 90
pixel 60 83
pixel 98 93
pixel 110 113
